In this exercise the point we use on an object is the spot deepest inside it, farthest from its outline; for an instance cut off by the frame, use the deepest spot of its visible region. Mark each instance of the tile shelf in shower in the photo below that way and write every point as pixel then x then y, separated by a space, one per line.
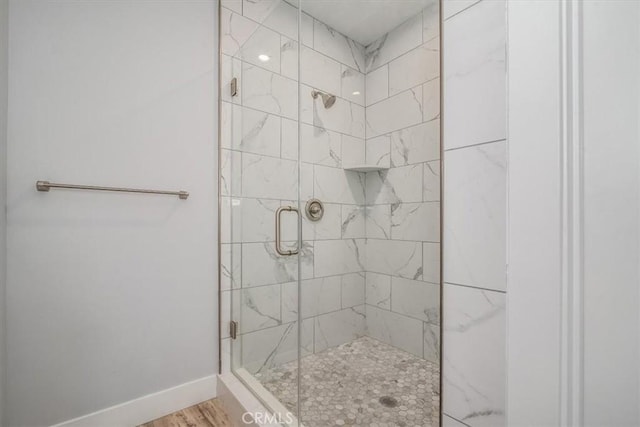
pixel 366 168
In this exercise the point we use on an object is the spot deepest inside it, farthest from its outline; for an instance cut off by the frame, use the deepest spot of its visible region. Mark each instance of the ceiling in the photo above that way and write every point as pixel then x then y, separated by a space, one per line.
pixel 363 20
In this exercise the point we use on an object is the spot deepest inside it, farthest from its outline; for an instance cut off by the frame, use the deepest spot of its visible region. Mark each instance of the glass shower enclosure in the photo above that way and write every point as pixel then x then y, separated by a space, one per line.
pixel 330 207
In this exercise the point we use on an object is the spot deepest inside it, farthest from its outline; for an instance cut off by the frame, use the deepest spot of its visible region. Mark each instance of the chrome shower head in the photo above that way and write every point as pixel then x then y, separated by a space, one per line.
pixel 327 99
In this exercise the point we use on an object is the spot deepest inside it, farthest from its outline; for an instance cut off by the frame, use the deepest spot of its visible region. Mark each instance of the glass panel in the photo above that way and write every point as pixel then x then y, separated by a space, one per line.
pixel 611 72
pixel 370 152
pixel 348 331
pixel 259 152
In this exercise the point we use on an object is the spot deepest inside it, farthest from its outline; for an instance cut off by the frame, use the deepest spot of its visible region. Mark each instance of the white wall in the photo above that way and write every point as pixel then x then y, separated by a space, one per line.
pixel 110 296
pixel 4 28
pixel 573 230
pixel 611 211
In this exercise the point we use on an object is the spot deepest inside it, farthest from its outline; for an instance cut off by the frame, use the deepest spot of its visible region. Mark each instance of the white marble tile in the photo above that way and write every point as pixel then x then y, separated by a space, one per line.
pixel 431 100
pixel 230 266
pixel 474 324
pixel 378 221
pixel 262 48
pixel 353 85
pixel 329 227
pixel 339 327
pixel 333 44
pixel 377 85
pixel 394 113
pixel 233 5
pixel 431 21
pixel 475 212
pixel 289 58
pixel 344 116
pixel 415 67
pixel 230 68
pixel 431 345
pixel 332 185
pixel 277 15
pixel 353 151
pixel 385 325
pixel 353 221
pixel 269 92
pixel 320 146
pixel 378 290
pixel 261 265
pixel 283 17
pixel 257 219
pixel 262 350
pixel 289 302
pixel 431 262
pixel 353 289
pixel 235 30
pixel 230 173
pixel 395 186
pixel 400 40
pixel 269 177
pixel 251 131
pixel 257 308
pixel 259 10
pixel 333 257
pixel 231 230
pixel 289 139
pixel 306 30
pixel 307 182
pixel 225 312
pixel 320 296
pixel 447 421
pixel 395 257
pixel 451 7
pixel 320 71
pixel 378 151
pixel 416 144
pixel 431 184
pixel 289 223
pixel 416 221
pixel 415 298
pixel 475 75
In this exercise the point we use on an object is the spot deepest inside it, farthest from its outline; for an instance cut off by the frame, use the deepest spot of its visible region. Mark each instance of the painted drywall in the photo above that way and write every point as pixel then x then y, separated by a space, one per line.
pixel 611 46
pixel 4 29
pixel 109 296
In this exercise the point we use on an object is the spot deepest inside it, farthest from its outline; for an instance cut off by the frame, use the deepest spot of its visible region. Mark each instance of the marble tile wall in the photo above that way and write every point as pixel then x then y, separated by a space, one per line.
pixel 371 266
pixel 474 272
pixel 403 202
pixel 260 173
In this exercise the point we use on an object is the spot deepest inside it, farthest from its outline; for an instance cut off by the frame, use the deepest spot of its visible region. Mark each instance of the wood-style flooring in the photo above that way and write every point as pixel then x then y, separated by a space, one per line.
pixel 205 414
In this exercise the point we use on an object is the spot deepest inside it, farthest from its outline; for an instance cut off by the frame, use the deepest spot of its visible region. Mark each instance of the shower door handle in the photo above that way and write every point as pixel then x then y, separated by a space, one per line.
pixel 279 230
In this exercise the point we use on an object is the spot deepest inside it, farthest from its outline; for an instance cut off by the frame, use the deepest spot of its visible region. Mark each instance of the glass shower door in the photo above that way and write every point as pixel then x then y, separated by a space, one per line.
pixel 261 253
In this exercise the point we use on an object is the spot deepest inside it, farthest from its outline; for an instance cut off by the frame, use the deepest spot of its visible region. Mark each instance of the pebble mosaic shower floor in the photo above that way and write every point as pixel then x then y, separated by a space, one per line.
pixel 362 383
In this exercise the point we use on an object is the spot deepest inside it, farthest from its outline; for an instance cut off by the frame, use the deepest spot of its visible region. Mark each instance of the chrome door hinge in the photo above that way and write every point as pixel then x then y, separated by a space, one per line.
pixel 234 86
pixel 233 329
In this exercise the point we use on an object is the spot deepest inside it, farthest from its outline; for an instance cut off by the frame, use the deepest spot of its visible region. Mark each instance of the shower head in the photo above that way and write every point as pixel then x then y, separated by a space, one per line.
pixel 327 99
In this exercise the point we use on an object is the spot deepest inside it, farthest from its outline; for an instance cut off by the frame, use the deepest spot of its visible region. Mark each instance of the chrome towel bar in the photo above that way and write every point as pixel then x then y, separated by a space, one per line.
pixel 46 186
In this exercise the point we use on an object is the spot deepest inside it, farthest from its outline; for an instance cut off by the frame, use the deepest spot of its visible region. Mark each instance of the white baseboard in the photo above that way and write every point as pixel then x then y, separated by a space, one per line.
pixel 150 407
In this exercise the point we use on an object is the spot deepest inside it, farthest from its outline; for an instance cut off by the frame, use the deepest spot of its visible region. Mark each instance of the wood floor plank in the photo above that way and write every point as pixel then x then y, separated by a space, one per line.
pixel 204 414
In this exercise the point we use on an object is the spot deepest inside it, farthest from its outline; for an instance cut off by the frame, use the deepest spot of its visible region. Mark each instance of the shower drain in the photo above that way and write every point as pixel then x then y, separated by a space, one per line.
pixel 388 401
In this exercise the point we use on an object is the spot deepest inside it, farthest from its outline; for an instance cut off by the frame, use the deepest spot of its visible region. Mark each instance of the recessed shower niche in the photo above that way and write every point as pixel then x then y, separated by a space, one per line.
pixel 335 320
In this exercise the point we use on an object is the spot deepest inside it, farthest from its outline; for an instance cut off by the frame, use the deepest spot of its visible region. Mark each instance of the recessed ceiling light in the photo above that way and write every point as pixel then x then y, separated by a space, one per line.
pixel 356 93
pixel 263 58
